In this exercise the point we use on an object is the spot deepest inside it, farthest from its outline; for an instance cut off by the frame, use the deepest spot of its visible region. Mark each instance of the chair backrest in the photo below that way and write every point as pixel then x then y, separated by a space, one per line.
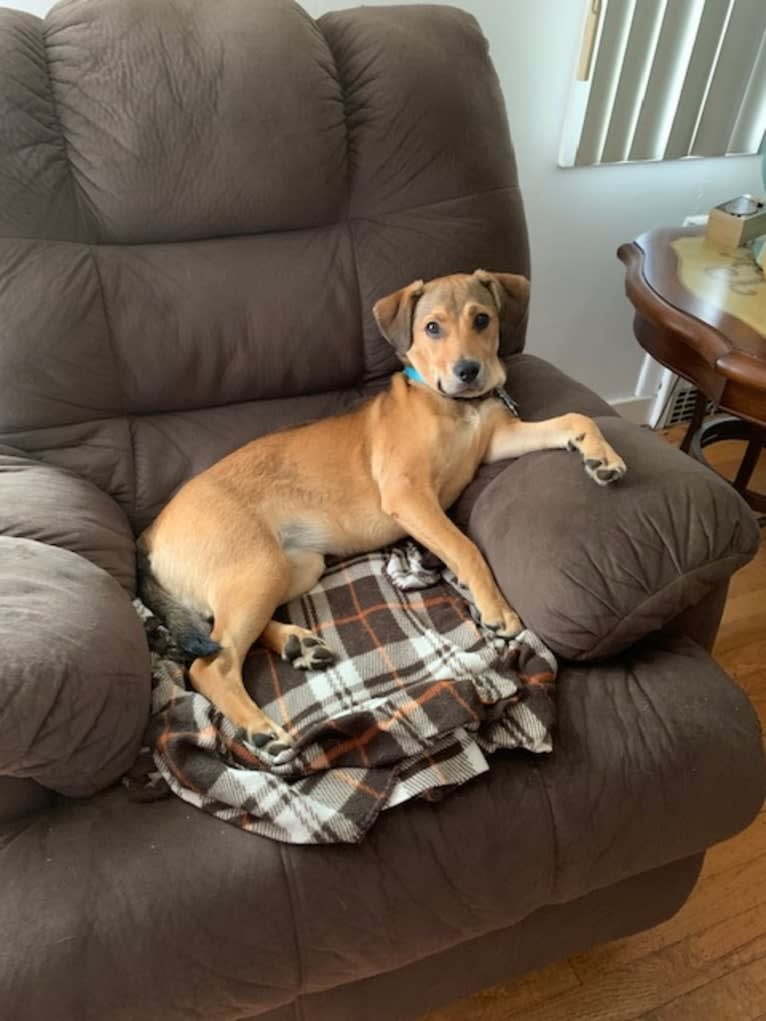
pixel 199 204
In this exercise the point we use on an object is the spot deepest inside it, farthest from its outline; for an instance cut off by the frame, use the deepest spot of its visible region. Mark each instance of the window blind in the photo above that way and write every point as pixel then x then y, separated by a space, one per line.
pixel 667 79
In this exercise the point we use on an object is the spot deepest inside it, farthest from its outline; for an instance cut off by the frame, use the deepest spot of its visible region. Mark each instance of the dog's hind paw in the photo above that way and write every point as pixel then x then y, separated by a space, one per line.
pixel 504 623
pixel 266 742
pixel 264 735
pixel 307 652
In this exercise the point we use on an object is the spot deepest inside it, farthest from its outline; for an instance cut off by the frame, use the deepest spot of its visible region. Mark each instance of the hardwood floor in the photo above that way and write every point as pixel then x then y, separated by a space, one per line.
pixel 708 963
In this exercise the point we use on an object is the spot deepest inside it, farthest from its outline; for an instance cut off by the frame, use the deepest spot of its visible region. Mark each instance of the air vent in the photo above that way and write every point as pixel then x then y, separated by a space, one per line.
pixel 682 406
pixel 679 404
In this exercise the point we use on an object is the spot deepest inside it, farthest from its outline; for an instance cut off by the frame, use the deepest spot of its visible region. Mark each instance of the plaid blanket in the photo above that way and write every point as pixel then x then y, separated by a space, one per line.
pixel 418 697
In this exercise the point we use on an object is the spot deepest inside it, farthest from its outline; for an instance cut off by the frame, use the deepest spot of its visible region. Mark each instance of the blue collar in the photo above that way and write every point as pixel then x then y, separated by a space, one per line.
pixel 413 374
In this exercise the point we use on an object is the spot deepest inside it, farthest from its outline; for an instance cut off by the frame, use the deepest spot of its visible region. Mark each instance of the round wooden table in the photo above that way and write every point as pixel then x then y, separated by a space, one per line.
pixel 701 311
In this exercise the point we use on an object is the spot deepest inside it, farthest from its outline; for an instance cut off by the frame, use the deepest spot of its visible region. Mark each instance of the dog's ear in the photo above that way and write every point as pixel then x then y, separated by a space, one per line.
pixel 393 314
pixel 510 292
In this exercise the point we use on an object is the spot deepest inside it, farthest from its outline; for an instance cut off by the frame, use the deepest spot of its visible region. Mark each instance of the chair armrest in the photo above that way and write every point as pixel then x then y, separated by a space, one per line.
pixel 591 569
pixel 55 506
pixel 74 663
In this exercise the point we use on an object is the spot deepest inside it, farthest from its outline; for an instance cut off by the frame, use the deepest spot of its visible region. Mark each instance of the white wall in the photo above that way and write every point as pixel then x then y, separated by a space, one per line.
pixel 580 318
pixel 38 7
pixel 577 217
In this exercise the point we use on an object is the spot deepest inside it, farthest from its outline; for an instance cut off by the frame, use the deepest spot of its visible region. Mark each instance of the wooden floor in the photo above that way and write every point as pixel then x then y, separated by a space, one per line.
pixel 709 962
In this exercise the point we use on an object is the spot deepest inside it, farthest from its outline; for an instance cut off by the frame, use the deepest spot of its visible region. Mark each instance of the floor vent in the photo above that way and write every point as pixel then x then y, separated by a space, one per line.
pixel 679 404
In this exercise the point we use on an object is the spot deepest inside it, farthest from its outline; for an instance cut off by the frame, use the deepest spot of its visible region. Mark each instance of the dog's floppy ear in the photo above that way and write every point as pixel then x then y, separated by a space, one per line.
pixel 393 314
pixel 510 292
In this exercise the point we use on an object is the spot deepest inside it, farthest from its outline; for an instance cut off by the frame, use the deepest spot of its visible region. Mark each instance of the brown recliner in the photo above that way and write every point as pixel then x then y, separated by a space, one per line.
pixel 199 203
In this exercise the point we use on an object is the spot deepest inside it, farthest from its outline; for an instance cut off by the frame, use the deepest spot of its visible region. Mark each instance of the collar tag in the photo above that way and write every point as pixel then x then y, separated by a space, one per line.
pixel 507 400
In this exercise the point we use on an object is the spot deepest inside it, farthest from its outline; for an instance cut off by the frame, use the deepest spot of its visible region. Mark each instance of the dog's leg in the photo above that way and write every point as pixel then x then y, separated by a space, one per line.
pixel 242 604
pixel 421 516
pixel 296 644
pixel 512 438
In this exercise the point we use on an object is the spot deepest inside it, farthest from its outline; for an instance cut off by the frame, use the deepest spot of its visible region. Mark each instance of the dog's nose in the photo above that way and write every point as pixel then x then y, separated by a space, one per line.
pixel 467 370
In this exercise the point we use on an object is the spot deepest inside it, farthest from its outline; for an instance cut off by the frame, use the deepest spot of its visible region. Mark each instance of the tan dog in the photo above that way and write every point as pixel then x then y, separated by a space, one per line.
pixel 252 531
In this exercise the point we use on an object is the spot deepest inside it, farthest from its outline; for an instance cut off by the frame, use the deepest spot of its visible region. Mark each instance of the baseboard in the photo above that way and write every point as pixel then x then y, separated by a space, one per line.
pixel 635 409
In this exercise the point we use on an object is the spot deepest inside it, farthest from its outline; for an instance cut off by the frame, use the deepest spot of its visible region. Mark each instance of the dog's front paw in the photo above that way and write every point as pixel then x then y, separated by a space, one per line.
pixel 607 468
pixel 307 652
pixel 601 462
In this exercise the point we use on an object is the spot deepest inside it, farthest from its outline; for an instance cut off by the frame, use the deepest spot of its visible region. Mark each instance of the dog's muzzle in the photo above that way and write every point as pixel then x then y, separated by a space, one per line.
pixel 466 379
pixel 467 370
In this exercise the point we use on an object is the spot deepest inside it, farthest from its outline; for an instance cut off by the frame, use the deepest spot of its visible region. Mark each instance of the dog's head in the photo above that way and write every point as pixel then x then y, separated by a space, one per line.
pixel 449 328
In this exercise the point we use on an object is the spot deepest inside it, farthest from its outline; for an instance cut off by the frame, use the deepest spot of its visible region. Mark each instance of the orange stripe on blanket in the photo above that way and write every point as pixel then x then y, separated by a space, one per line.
pixel 357 743
pixel 357 784
pixel 422 604
pixel 546 678
pixel 361 616
pixel 164 740
pixel 167 735
pixel 246 755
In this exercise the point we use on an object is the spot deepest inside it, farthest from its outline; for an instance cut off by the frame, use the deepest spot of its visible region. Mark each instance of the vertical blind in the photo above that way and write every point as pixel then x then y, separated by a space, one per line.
pixel 666 79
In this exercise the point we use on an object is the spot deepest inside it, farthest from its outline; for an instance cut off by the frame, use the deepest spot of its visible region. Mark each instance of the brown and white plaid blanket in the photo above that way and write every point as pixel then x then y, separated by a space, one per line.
pixel 418 697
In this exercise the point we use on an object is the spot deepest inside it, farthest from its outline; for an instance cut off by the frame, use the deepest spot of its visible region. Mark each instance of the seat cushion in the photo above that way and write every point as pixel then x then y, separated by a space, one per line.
pixel 74 670
pixel 656 756
pixel 590 569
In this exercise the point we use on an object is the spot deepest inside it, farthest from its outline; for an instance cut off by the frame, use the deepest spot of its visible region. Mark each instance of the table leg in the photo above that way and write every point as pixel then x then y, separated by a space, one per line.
pixel 750 460
pixel 726 428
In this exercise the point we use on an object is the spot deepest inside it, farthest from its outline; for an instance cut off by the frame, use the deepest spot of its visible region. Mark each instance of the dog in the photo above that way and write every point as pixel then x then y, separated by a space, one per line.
pixel 251 532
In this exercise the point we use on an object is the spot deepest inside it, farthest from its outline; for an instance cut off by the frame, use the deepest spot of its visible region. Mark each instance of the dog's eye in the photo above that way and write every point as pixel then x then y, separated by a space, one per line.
pixel 481 321
pixel 433 329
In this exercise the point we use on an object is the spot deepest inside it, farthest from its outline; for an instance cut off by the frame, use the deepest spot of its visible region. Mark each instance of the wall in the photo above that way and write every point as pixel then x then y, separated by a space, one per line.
pixel 580 318
pixel 31 6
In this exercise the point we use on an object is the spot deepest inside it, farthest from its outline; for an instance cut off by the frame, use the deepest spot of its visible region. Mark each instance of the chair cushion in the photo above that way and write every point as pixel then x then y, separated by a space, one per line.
pixel 74 670
pixel 620 794
pixel 592 569
pixel 52 505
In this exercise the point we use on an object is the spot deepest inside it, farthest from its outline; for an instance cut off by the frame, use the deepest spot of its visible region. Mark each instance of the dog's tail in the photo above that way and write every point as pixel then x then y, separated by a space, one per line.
pixel 190 630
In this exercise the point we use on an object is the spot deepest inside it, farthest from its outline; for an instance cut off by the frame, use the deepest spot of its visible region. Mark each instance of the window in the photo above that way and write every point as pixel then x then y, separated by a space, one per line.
pixel 667 79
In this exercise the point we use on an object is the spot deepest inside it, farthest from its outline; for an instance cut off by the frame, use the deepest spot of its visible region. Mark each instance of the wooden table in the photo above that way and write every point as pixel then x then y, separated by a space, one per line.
pixel 701 311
